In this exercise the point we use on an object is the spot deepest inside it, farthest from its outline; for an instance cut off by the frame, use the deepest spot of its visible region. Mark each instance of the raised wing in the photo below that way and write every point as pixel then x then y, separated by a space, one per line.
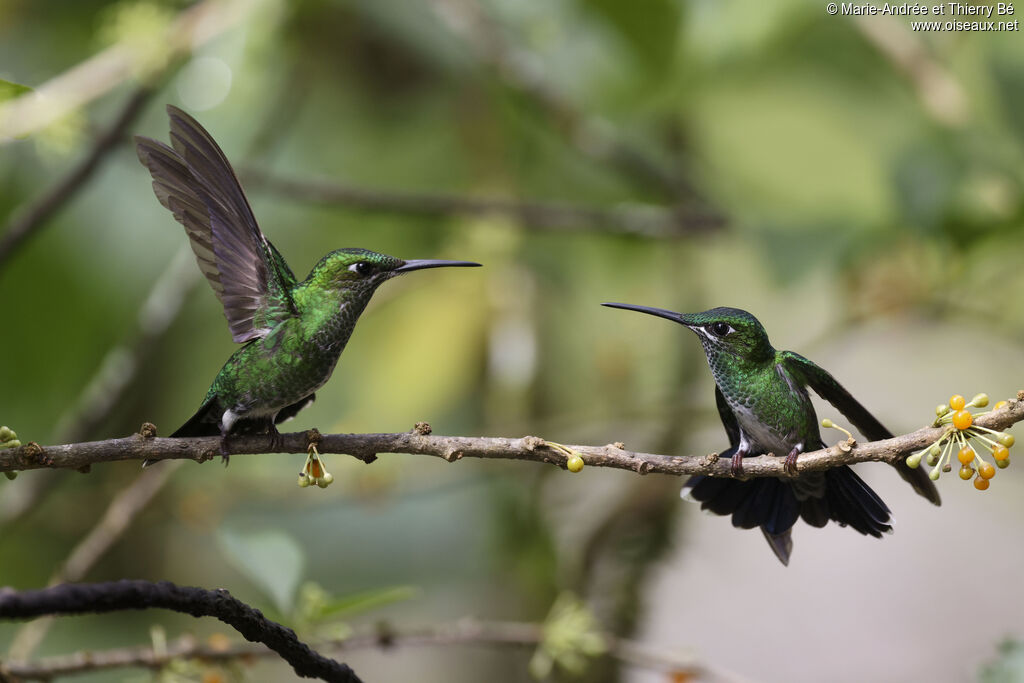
pixel 194 180
pixel 825 385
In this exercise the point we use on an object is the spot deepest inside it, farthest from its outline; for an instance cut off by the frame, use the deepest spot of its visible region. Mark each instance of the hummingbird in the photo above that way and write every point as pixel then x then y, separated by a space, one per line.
pixel 762 399
pixel 294 332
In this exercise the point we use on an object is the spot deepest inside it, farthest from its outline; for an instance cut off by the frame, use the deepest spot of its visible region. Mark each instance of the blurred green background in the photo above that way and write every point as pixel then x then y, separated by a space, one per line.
pixel 859 187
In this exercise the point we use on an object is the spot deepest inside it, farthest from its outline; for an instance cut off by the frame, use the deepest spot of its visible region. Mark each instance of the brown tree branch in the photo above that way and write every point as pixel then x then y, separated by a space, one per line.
pixel 67 599
pixel 462 632
pixel 451 448
pixel 640 219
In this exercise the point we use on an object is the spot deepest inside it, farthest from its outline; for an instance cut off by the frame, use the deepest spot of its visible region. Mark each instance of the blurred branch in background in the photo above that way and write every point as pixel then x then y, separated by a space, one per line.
pixel 114 596
pixel 638 219
pixel 116 373
pixel 635 533
pixel 596 138
pixel 384 637
pixel 452 448
pixel 121 364
pixel 32 217
pixel 134 56
pixel 119 515
pixel 940 93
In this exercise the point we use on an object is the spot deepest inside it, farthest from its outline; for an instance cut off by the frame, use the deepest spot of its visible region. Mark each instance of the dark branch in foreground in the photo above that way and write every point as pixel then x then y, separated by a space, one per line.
pixel 32 217
pixel 114 596
pixel 419 442
pixel 637 219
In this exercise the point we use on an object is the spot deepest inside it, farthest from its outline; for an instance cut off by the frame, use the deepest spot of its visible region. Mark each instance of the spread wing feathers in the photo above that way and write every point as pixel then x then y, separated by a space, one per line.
pixel 194 180
pixel 825 385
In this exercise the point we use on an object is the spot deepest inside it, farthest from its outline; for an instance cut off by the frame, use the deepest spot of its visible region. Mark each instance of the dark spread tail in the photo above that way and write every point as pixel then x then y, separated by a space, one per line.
pixel 772 504
pixel 206 421
pixel 781 544
pixel 851 502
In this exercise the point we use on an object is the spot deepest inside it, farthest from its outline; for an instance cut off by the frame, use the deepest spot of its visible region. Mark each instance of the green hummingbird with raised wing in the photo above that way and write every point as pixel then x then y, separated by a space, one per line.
pixel 293 331
pixel 762 399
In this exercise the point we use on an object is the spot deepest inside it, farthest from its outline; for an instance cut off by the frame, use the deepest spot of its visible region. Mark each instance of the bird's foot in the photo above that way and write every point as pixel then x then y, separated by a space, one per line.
pixel 276 440
pixel 736 464
pixel 225 450
pixel 790 464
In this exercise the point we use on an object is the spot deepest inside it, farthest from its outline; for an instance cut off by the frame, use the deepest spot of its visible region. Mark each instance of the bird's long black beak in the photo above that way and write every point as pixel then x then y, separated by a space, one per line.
pixel 659 312
pixel 420 264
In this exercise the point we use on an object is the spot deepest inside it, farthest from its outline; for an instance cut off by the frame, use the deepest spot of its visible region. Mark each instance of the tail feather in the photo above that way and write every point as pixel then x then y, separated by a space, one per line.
pixel 783 516
pixel 718 495
pixel 781 544
pixel 757 507
pixel 853 503
pixel 772 504
pixel 815 511
pixel 205 422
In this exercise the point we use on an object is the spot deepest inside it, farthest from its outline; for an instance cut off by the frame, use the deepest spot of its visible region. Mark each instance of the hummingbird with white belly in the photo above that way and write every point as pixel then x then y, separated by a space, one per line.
pixel 762 399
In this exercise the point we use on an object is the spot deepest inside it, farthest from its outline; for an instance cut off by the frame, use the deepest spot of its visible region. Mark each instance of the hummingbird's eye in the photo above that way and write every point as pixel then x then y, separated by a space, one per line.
pixel 363 268
pixel 720 329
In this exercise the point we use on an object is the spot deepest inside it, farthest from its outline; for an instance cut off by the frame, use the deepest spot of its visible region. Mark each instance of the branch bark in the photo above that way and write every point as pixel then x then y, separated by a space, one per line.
pixel 638 219
pixel 451 448
pixel 198 602
pixel 462 632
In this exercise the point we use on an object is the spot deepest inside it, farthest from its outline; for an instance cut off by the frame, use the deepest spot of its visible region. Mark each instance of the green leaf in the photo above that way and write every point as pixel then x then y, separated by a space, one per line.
pixel 364 601
pixel 1007 667
pixel 650 28
pixel 9 90
pixel 1009 83
pixel 272 560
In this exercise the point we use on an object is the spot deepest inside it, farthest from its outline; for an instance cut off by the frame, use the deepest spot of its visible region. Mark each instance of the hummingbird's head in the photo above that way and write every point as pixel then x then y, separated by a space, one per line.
pixel 721 330
pixel 364 270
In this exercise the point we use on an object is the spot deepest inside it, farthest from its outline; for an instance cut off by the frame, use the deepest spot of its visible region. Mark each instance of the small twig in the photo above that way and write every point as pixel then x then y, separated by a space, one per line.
pixel 115 521
pixel 366 446
pixel 115 596
pixel 97 75
pixel 638 219
pixel 35 215
pixel 941 94
pixel 462 632
pixel 592 136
